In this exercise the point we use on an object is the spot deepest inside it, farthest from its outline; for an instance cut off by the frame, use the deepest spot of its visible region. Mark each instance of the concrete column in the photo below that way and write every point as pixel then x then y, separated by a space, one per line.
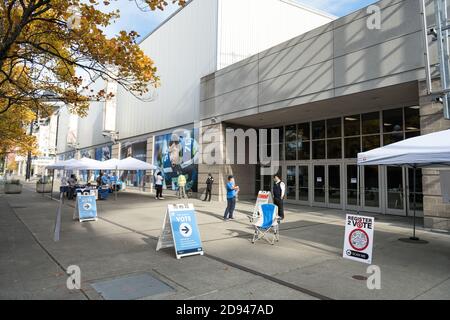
pixel 244 174
pixel 115 151
pixel 436 213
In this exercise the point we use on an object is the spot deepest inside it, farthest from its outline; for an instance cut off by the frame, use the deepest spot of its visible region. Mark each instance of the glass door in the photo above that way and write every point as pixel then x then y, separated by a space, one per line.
pixel 303 184
pixel 319 185
pixel 352 186
pixel 395 191
pixel 371 187
pixel 334 186
pixel 291 183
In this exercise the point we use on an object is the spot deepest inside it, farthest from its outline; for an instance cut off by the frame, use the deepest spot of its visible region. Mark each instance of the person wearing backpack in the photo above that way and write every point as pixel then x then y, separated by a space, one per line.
pixel 279 193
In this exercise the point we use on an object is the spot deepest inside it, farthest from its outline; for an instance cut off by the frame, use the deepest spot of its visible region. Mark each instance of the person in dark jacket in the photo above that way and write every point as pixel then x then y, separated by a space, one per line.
pixel 209 184
pixel 279 191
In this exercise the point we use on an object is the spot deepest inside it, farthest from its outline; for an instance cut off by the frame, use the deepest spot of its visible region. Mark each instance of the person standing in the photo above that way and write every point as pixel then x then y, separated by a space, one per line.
pixel 279 192
pixel 181 186
pixel 159 186
pixel 209 184
pixel 232 191
pixel 72 185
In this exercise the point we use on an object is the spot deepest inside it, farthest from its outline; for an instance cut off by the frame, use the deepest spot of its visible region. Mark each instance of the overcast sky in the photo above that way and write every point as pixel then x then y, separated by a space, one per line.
pixel 144 22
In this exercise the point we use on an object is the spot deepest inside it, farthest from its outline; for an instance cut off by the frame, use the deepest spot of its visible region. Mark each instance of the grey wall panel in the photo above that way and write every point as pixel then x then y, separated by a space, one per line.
pixel 242 99
pixel 381 82
pixel 391 57
pixel 304 54
pixel 235 79
pixel 302 82
pixel 361 14
pixel 340 58
pixel 396 20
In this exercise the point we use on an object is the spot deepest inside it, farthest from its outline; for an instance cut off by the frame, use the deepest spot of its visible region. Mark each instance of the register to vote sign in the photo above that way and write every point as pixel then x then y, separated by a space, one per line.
pixel 185 231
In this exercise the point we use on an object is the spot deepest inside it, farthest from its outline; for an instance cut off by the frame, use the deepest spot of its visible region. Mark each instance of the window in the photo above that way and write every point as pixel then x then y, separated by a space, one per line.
pixel 352 125
pixel 371 123
pixel 303 143
pixel 334 128
pixel 318 149
pixel 352 147
pixel 291 142
pixel 412 118
pixel 393 120
pixel 334 149
pixel 318 130
pixel 370 142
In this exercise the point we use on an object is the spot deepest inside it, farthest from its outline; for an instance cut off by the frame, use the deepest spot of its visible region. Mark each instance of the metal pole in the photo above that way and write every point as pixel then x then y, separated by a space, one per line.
pixel 427 49
pixel 440 7
pixel 28 169
pixel 358 174
pixel 414 189
pixel 53 181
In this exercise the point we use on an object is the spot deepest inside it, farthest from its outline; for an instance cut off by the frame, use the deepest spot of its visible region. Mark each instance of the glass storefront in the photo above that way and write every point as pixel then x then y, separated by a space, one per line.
pixel 320 161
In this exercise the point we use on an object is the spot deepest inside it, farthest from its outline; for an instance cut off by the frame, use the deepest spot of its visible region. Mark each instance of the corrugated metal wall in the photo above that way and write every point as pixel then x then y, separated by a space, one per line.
pixel 184 50
pixel 251 26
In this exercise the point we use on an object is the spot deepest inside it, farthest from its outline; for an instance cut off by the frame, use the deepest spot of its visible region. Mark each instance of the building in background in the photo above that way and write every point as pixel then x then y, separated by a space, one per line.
pixel 332 87
pixel 198 39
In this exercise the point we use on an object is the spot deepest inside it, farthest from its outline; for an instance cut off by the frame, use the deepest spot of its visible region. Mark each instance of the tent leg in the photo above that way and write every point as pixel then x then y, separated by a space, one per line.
pixel 53 181
pixel 414 238
pixel 358 195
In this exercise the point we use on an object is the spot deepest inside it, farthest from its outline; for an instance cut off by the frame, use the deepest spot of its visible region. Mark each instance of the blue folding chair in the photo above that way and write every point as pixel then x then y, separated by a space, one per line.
pixel 266 224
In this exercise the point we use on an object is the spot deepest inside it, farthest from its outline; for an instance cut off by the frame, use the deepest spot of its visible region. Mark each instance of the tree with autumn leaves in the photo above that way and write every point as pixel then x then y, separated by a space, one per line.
pixel 51 49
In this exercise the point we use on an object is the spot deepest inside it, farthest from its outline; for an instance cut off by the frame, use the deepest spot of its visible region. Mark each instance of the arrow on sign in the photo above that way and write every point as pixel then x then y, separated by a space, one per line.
pixel 186 230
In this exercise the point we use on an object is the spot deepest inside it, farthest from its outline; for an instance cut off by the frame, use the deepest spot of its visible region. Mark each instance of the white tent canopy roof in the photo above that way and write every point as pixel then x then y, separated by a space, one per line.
pixel 428 150
pixel 60 165
pixel 112 164
pixel 133 164
pixel 85 164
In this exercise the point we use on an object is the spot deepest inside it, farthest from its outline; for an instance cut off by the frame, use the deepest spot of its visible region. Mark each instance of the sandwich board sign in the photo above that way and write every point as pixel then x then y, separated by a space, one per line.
pixel 264 197
pixel 86 208
pixel 180 230
pixel 358 242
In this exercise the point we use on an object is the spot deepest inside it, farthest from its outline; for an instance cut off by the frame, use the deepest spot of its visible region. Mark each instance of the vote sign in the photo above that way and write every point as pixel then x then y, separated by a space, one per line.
pixel 185 232
pixel 180 230
pixel 87 207
pixel 358 241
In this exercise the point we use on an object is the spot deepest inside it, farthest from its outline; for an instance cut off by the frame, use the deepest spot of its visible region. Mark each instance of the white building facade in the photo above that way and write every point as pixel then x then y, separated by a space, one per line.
pixel 198 39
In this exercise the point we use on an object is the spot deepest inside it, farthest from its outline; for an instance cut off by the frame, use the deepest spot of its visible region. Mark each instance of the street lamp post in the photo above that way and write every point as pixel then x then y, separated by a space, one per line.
pixel 28 169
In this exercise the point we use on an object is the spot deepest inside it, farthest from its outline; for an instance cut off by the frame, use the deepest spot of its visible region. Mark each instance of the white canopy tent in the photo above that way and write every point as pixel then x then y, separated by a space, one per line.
pixel 427 151
pixel 60 165
pixel 129 163
pixel 431 150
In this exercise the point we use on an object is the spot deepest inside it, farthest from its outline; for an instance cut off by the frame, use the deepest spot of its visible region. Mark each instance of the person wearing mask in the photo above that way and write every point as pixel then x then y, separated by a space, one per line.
pixel 159 186
pixel 209 184
pixel 279 192
pixel 181 186
pixel 232 191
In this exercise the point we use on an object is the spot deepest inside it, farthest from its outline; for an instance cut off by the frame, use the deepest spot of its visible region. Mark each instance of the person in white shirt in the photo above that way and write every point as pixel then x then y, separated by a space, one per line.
pixel 279 192
pixel 159 186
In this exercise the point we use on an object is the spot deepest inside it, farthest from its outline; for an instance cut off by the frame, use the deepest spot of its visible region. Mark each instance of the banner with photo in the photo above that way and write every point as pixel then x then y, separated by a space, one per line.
pixel 175 153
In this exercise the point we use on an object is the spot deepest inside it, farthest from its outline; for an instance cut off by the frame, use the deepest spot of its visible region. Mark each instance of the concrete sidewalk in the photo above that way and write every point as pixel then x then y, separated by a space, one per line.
pixel 306 264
